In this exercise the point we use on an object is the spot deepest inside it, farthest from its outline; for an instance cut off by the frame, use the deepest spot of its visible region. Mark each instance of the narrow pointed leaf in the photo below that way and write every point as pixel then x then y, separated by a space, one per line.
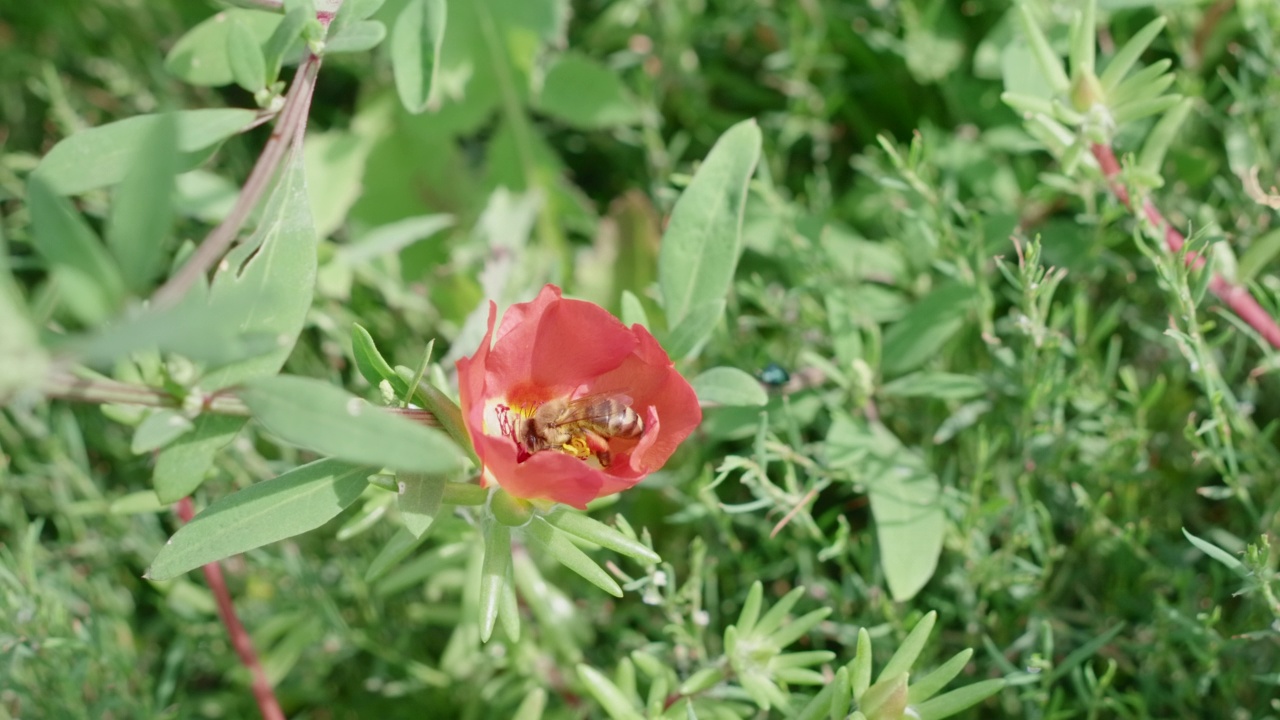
pixel 1124 59
pixel 928 686
pixel 1217 553
pixel 1151 158
pixel 317 416
pixel 103 155
pixel 416 39
pixel 1046 58
pixel 729 386
pixel 493 575
pixel 399 547
pixel 560 547
pixel 359 36
pixel 751 608
pixel 910 648
pixel 88 278
pixel 772 620
pixel 142 214
pixel 244 53
pixel 293 503
pixel 860 667
pixel 703 239
pixel 633 312
pixel 182 465
pixel 575 523
pixel 610 696
pixel 958 700
pixel 369 360
pixel 420 498
pixel 688 338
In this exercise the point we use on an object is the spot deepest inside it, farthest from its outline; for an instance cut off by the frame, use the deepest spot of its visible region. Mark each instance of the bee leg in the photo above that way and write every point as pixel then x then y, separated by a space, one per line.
pixel 599 445
pixel 578 447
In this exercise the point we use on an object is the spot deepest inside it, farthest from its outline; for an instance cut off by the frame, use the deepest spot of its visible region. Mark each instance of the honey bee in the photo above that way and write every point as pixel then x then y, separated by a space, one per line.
pixel 580 427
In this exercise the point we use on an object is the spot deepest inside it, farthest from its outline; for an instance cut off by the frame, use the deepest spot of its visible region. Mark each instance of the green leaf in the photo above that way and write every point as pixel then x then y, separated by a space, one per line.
pixel 315 415
pixel 1258 255
pixel 751 609
pixel 929 685
pixel 633 312
pixel 200 57
pixel 729 386
pixel 191 328
pixel 420 499
pixel 941 385
pixel 273 274
pixel 142 212
pixel 1151 158
pixel 23 361
pixel 293 503
pixel 920 335
pixel 1124 59
pixel 353 10
pixel 586 95
pixel 393 237
pixel 356 37
pixel 772 619
pixel 244 53
pixel 397 548
pixel 416 39
pixel 909 649
pixel 533 705
pixel 906 504
pixel 688 338
pixel 103 155
pixel 493 575
pixel 591 530
pixel 703 239
pixel 1046 58
pixel 136 503
pixel 285 35
pixel 1082 52
pixel 445 410
pixel 610 696
pixel 159 428
pixel 560 547
pixel 88 279
pixel 958 700
pixel 860 667
pixel 182 465
pixel 370 362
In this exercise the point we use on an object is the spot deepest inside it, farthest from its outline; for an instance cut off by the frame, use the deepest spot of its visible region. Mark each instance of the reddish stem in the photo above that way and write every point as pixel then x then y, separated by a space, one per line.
pixel 262 692
pixel 288 133
pixel 1237 298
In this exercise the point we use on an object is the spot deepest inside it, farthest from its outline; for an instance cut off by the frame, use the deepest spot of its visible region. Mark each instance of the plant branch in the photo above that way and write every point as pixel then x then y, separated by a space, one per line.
pixel 1238 298
pixel 65 385
pixel 262 691
pixel 290 127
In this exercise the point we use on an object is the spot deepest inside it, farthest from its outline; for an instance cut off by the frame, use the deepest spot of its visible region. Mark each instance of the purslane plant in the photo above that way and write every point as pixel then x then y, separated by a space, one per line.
pixel 757 667
pixel 200 356
pixel 1076 112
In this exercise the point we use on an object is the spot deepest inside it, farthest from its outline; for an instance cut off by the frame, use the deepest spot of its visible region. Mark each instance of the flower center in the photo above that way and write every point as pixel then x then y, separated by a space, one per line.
pixel 580 427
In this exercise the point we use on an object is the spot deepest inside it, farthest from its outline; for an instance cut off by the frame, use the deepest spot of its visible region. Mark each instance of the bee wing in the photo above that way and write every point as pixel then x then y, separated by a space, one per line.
pixel 598 407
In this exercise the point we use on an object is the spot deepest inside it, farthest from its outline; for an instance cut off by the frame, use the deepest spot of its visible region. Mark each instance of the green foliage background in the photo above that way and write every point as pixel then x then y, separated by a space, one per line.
pixel 1063 407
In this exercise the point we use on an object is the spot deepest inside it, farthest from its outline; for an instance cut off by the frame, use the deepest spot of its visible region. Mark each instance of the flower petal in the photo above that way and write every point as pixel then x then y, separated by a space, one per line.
pixel 556 343
pixel 472 377
pixel 544 476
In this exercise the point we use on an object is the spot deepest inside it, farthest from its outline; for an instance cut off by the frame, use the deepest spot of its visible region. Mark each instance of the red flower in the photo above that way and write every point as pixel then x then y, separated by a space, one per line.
pixel 567 404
